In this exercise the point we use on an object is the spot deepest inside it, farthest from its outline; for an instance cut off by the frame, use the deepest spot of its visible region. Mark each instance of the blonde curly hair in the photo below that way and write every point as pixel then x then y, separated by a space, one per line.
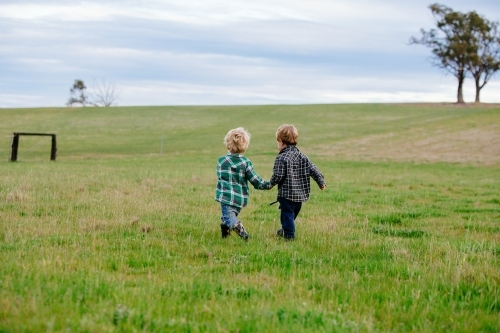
pixel 237 140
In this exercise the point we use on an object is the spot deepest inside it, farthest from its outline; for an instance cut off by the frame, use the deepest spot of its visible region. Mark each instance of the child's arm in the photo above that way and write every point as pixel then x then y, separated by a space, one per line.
pixel 279 172
pixel 257 182
pixel 317 176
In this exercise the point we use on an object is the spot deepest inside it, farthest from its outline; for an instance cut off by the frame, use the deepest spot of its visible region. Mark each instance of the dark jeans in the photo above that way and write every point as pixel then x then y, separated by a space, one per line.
pixel 289 211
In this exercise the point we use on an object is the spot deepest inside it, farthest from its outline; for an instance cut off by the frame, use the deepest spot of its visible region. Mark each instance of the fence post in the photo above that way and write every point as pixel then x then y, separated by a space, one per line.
pixel 14 146
pixel 53 150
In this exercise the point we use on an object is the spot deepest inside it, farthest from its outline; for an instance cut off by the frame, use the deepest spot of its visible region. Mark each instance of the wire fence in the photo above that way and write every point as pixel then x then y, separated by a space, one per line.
pixel 33 149
pixel 30 148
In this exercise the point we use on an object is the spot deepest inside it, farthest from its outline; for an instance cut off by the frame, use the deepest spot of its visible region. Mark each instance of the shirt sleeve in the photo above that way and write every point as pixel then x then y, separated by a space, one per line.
pixel 316 175
pixel 279 172
pixel 255 180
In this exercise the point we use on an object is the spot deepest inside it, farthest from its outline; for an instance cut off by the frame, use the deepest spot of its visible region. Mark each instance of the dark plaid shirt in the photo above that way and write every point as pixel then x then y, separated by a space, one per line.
pixel 291 172
pixel 234 171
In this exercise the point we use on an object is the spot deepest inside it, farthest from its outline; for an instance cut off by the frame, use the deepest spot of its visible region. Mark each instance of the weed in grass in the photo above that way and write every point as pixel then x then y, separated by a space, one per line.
pixel 482 228
pixel 399 232
pixel 493 201
pixel 477 210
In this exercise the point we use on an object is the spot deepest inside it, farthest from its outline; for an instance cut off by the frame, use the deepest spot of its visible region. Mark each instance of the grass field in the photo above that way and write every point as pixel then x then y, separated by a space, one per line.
pixel 121 233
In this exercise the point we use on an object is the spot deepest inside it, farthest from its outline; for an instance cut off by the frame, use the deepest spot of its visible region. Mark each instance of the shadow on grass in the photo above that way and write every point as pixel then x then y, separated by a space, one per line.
pixel 400 217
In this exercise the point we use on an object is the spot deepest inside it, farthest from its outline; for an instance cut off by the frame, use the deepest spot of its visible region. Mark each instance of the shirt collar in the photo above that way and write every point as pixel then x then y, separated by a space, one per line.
pixel 234 154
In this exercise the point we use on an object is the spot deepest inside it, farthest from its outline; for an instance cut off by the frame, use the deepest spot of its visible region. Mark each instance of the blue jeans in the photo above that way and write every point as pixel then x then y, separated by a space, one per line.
pixel 229 215
pixel 289 211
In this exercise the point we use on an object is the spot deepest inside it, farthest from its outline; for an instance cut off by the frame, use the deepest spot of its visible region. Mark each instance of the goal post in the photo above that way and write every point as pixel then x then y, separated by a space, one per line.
pixel 15 145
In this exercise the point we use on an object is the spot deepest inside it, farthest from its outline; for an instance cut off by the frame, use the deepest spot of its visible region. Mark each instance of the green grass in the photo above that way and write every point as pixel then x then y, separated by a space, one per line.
pixel 121 233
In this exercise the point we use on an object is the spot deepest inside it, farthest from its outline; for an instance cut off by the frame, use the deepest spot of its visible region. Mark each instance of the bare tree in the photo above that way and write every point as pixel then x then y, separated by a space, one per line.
pixel 104 93
pixel 78 94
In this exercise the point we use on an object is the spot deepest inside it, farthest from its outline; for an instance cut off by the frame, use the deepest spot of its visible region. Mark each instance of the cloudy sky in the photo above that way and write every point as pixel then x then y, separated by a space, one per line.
pixel 215 52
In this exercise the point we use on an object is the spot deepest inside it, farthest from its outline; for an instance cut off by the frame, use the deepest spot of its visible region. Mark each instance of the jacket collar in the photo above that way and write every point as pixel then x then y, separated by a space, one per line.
pixel 287 148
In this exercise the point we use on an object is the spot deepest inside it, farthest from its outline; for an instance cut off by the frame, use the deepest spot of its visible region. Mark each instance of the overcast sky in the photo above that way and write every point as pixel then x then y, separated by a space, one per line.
pixel 215 52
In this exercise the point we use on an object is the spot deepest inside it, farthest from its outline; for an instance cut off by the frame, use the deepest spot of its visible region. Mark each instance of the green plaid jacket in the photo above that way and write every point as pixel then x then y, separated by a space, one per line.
pixel 234 171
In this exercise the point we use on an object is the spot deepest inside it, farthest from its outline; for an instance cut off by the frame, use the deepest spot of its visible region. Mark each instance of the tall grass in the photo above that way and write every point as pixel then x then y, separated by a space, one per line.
pixel 121 233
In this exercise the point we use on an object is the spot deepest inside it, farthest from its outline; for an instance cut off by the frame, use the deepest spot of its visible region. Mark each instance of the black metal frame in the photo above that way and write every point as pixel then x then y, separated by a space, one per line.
pixel 15 145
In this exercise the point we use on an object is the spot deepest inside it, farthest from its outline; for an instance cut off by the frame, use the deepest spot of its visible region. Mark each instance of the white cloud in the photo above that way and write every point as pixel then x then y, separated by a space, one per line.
pixel 16 100
pixel 283 86
pixel 72 12
pixel 225 51
pixel 213 11
pixel 190 12
pixel 175 94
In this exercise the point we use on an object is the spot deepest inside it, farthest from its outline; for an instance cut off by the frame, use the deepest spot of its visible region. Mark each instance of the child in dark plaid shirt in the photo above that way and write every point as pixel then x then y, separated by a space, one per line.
pixel 234 171
pixel 291 172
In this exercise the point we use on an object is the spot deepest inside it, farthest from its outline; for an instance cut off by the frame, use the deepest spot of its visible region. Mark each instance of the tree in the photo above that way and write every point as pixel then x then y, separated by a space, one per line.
pixel 463 43
pixel 450 52
pixel 103 93
pixel 78 94
pixel 486 61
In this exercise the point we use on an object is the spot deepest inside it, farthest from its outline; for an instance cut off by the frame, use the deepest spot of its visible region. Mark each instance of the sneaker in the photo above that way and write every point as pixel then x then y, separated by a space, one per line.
pixel 281 233
pixel 225 230
pixel 240 229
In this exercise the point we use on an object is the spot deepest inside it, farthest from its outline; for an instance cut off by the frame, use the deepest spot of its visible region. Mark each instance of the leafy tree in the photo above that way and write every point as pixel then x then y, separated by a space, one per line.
pixel 486 61
pixel 451 45
pixel 78 94
pixel 462 44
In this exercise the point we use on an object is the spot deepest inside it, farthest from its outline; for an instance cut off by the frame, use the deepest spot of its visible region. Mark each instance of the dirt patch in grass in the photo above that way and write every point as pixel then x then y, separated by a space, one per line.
pixel 477 146
pixel 451 105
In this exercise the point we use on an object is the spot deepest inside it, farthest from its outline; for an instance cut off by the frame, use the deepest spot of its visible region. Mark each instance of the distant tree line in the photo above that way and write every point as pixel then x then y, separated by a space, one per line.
pixel 464 44
pixel 102 94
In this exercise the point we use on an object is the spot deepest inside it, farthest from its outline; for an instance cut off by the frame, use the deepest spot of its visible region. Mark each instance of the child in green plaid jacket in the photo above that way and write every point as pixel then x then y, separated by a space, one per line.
pixel 234 171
